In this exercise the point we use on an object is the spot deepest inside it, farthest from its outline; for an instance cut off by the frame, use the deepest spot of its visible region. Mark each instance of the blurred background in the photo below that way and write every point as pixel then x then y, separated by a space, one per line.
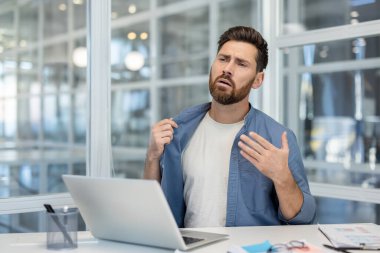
pixel 323 82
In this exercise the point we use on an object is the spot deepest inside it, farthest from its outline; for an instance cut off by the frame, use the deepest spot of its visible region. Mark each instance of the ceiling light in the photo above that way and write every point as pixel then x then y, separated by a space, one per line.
pixel 114 15
pixel 22 43
pixel 354 14
pixel 62 7
pixel 78 2
pixel 80 57
pixel 132 35
pixel 143 35
pixel 134 61
pixel 132 9
pixel 12 44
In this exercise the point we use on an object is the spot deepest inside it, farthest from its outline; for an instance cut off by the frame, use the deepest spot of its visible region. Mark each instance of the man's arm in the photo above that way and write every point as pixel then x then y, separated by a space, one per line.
pixel 273 163
pixel 161 134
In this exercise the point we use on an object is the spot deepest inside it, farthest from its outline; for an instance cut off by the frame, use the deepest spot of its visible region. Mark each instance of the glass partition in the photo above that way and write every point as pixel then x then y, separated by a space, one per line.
pixel 180 97
pixel 170 52
pixel 184 44
pixel 42 116
pixel 130 54
pixel 305 15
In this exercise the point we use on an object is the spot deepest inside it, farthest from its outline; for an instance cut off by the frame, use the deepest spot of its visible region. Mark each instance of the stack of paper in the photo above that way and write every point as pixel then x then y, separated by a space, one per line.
pixel 361 236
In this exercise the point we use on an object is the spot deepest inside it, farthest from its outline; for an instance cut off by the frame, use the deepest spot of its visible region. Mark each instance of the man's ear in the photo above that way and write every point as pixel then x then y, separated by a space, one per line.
pixel 258 80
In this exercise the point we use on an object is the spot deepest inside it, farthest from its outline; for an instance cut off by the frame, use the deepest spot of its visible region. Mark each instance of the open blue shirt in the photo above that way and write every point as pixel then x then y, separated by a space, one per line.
pixel 251 196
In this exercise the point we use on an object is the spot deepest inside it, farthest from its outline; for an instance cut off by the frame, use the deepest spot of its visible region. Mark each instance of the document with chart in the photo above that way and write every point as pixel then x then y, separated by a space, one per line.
pixel 360 236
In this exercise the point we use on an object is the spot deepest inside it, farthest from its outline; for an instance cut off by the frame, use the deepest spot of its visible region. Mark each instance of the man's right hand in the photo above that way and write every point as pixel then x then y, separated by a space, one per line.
pixel 161 134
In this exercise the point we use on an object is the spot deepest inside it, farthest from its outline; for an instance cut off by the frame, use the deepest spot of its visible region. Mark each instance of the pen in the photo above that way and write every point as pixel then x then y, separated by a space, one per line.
pixel 337 249
pixel 50 209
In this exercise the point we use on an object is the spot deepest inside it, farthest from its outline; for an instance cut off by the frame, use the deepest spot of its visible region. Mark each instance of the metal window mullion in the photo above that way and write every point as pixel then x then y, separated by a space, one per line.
pixel 256 97
pixel 98 146
pixel 213 26
pixel 34 203
pixel 70 49
pixel 367 195
pixel 364 29
pixel 16 21
pixel 40 55
pixel 155 45
pixel 271 88
pixel 350 65
pixel 293 121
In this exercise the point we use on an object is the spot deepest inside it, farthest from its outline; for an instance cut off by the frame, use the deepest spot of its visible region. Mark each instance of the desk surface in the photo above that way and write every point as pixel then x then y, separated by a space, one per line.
pixel 36 242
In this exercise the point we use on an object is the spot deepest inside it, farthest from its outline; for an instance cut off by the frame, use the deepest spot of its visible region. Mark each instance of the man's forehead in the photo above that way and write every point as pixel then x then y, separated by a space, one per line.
pixel 239 49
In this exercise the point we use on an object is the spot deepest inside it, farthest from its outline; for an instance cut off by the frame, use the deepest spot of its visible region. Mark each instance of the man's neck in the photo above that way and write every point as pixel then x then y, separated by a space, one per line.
pixel 229 114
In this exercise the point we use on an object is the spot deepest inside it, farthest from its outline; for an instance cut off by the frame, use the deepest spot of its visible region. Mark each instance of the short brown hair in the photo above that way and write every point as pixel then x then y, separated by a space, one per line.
pixel 249 35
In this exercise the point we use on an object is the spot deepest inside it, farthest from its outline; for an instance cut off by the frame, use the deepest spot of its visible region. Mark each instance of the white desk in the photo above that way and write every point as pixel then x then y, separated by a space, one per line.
pixel 36 242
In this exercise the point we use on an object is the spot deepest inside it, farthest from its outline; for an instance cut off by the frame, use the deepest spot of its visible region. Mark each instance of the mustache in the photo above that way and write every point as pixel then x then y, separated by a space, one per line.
pixel 227 77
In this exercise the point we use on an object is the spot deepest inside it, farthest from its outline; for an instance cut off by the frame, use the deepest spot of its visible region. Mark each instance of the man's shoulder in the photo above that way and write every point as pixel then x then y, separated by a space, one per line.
pixel 261 118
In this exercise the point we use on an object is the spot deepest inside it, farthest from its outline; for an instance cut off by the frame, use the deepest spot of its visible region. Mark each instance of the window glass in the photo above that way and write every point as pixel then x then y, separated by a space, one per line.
pixel 167 2
pixel 305 15
pixel 79 124
pixel 79 8
pixel 7 33
pixel 55 15
pixel 184 44
pixel 28 23
pixel 56 115
pixel 130 54
pixel 28 118
pixel 344 113
pixel 28 80
pixel 8 118
pixel 176 98
pixel 42 119
pixel 130 120
pixel 123 8
pixel 29 222
pixel 39 172
pixel 125 166
pixel 340 211
pixel 55 68
pixel 239 12
pixel 333 51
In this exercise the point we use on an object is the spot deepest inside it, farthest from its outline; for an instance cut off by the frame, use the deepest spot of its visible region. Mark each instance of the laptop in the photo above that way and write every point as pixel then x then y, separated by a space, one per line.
pixel 133 211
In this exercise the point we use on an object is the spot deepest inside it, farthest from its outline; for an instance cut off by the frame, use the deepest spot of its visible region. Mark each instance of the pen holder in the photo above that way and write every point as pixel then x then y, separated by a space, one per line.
pixel 62 227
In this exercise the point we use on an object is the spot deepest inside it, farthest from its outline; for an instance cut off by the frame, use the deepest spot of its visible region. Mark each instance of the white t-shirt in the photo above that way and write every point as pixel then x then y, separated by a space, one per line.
pixel 206 162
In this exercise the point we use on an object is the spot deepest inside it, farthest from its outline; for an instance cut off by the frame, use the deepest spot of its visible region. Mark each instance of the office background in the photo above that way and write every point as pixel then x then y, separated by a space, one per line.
pixel 323 81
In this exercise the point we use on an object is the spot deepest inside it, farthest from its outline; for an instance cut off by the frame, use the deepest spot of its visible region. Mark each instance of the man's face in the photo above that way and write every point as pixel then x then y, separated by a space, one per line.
pixel 233 73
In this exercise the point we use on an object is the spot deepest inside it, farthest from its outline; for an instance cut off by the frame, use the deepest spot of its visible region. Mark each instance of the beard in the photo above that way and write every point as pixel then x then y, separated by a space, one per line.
pixel 227 98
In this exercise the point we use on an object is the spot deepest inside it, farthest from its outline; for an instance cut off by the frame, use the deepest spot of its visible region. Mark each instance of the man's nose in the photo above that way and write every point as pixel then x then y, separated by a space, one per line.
pixel 228 69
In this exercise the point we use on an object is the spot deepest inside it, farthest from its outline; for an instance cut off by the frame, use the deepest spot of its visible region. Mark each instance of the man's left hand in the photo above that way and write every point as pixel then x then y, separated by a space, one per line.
pixel 270 160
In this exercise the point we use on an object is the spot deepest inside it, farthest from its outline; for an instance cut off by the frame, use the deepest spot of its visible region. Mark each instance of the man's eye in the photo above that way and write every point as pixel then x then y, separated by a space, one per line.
pixel 242 64
pixel 222 59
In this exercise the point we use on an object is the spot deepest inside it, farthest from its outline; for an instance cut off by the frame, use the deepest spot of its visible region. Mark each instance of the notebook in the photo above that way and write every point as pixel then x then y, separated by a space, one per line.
pixel 132 211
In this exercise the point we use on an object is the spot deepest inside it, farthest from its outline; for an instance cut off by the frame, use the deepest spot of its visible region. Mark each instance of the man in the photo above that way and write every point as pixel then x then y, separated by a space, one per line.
pixel 225 163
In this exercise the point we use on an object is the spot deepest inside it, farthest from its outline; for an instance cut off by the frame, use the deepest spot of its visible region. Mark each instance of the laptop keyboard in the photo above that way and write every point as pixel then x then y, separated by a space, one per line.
pixel 190 240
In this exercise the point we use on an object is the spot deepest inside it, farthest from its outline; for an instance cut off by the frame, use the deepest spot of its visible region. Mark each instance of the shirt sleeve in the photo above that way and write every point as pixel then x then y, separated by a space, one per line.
pixel 307 213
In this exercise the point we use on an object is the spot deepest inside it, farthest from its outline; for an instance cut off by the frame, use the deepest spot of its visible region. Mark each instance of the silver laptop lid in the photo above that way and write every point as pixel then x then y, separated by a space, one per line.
pixel 126 210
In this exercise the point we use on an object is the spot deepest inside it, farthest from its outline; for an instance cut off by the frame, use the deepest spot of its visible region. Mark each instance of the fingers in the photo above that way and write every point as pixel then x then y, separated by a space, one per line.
pixel 284 141
pixel 169 122
pixel 248 152
pixel 249 158
pixel 163 131
pixel 251 143
pixel 263 142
